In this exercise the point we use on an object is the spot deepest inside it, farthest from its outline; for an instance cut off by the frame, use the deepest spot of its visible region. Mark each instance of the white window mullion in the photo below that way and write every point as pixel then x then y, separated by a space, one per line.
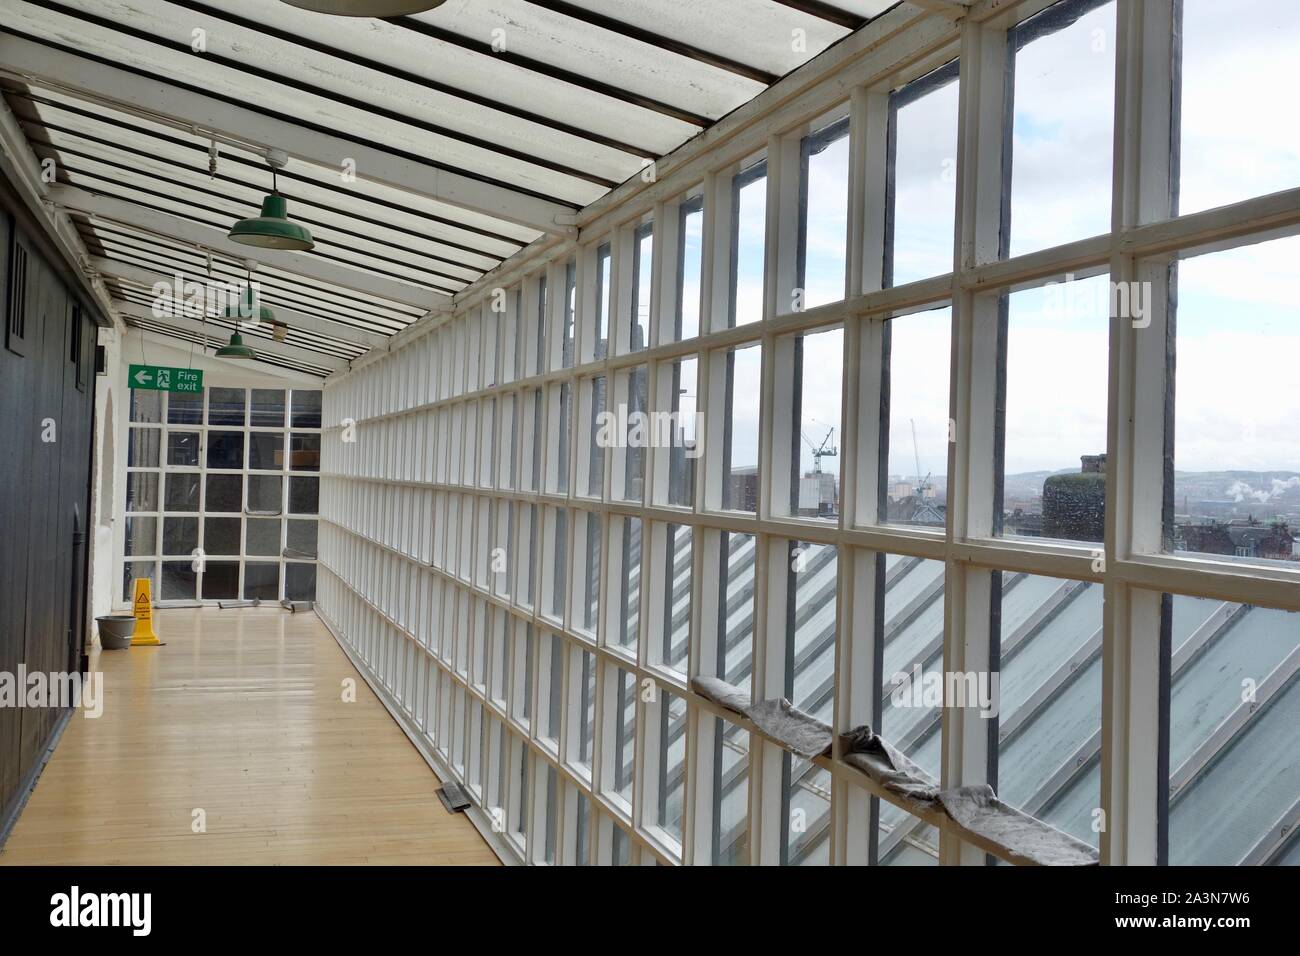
pixel 973 401
pixel 1131 775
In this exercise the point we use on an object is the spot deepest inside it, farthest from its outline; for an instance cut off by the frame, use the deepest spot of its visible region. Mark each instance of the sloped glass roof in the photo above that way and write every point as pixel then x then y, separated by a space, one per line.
pixel 422 151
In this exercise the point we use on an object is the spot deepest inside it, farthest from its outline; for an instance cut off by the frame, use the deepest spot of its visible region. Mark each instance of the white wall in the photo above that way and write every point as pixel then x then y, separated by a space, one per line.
pixel 112 421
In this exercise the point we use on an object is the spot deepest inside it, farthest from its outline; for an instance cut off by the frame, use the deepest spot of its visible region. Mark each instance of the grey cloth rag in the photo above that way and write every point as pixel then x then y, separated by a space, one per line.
pixel 721 693
pixel 797 731
pixel 1025 838
pixel 873 755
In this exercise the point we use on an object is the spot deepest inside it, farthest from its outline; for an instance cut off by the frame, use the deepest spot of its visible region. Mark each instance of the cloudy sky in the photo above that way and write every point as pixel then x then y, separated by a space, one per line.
pixel 1239 311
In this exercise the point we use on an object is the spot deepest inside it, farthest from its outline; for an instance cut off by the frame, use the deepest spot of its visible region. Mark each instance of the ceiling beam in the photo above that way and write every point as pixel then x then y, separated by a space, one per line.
pixel 241 367
pixel 194 233
pixel 827 12
pixel 24 170
pixel 952 9
pixel 59 69
pixel 294 353
pixel 657 40
pixel 295 319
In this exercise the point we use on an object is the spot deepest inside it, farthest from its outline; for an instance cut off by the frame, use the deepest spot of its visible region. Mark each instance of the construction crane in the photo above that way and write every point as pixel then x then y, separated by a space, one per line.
pixel 921 483
pixel 824 450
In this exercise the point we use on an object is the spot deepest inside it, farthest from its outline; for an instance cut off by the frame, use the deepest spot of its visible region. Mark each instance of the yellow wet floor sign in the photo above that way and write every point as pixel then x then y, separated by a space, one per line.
pixel 142 605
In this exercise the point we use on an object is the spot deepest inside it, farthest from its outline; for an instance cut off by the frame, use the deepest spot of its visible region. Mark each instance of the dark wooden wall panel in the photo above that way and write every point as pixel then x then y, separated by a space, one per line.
pixel 46 375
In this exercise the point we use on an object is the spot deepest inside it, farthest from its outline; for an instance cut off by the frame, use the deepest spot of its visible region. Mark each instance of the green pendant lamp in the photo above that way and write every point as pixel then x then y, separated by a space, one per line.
pixel 366 8
pixel 236 349
pixel 246 309
pixel 273 229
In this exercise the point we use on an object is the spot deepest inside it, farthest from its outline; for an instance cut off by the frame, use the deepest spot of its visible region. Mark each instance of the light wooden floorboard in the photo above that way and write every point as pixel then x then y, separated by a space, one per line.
pixel 242 715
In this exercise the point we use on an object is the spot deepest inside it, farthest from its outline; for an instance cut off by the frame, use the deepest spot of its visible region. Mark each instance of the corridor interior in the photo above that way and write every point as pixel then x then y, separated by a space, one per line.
pixel 247 739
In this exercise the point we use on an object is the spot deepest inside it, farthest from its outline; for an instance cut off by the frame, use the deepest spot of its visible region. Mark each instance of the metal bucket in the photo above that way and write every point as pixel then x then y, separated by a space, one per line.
pixel 115 631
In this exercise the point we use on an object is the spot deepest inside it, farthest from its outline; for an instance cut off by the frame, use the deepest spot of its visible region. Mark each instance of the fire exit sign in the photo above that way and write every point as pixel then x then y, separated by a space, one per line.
pixel 162 378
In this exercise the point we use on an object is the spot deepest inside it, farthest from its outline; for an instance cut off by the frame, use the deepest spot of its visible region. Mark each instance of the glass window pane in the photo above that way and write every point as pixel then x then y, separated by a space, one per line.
pixel 1234 55
pixel 1054 463
pixel 1234 769
pixel 642 278
pixel 735 624
pixel 225 449
pixel 262 536
pixel 226 406
pixel 221 581
pixel 221 535
pixel 624 744
pixel 306 409
pixel 682 445
pixel 184 408
pixel 267 408
pixel 304 495
pixel 146 406
pixel 265 494
pixel 299 582
pixel 183 449
pixel 561 396
pixel 628 613
pixel 141 535
pixel 603 257
pixel 824 219
pixel 266 451
pixel 1062 128
pixel 131 570
pixel 743 377
pixel 183 491
pixel 304 452
pixel 588 562
pixel 690 251
pixel 142 491
pixel 223 493
pixel 557 533
pixel 302 537
pixel 542 317
pixel 671 785
pixel 730 790
pixel 179 580
pixel 676 623
pixel 748 240
pixel 594 401
pixel 1236 469
pixel 913 654
pixel 261 581
pixel 549 684
pixel 923 187
pixel 142 448
pixel 180 535
pixel 585 695
pixel 1049 711
pixel 917 398
pixel 634 440
pixel 815 426
pixel 570 305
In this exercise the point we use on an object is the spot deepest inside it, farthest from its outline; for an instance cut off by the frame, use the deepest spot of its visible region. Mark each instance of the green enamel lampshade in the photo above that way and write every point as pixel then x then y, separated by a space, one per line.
pixel 366 8
pixel 243 311
pixel 236 349
pixel 272 229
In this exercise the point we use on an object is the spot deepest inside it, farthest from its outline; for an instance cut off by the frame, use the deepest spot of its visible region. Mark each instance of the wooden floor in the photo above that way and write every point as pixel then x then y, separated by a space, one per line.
pixel 240 715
